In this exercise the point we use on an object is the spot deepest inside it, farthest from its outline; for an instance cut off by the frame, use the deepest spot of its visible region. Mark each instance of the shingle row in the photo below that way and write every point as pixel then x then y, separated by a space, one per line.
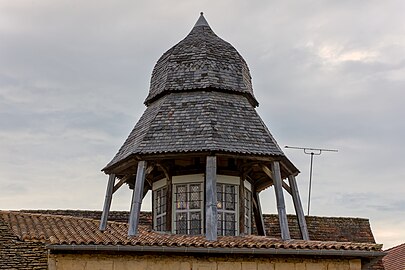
pixel 201 60
pixel 199 121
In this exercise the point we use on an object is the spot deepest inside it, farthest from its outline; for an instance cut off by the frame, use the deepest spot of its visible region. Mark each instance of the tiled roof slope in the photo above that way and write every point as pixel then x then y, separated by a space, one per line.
pixel 395 259
pixel 200 121
pixel 341 229
pixel 18 254
pixel 68 230
pixel 201 60
pixel 325 228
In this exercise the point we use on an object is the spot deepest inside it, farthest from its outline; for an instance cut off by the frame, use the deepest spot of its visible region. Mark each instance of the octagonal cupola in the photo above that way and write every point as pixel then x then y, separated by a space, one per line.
pixel 201 147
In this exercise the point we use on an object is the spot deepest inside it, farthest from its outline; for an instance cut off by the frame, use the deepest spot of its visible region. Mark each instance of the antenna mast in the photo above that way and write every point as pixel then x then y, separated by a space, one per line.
pixel 313 152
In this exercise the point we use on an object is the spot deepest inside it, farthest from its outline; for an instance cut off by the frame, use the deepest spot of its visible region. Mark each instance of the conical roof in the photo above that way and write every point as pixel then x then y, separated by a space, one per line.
pixel 200 101
pixel 201 60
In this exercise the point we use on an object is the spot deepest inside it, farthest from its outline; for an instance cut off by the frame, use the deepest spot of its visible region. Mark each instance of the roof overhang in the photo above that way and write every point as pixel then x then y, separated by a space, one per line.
pixel 216 250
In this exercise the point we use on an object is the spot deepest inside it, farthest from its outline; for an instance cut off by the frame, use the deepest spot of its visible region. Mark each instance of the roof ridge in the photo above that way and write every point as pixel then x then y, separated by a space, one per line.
pixel 64 217
pixel 395 247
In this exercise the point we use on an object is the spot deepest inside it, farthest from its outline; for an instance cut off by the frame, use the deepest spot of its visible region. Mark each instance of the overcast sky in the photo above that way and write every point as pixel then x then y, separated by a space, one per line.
pixel 329 74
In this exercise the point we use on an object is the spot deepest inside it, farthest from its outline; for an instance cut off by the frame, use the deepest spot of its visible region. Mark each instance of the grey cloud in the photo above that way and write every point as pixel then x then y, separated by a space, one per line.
pixel 73 78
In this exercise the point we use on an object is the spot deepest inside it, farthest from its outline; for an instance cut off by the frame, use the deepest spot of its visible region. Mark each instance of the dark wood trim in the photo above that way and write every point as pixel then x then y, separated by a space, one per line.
pixel 241 206
pixel 286 187
pixel 169 203
pixel 257 213
pixel 121 182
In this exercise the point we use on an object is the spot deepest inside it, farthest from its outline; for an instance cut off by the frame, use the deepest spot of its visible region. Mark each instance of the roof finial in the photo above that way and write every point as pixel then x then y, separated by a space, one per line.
pixel 201 21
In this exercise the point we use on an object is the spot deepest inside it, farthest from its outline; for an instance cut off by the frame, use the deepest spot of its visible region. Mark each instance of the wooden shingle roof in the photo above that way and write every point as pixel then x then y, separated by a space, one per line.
pixel 201 60
pixel 200 101
pixel 200 121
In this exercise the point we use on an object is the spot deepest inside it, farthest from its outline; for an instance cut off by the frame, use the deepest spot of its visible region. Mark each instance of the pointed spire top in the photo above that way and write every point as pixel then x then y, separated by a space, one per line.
pixel 201 21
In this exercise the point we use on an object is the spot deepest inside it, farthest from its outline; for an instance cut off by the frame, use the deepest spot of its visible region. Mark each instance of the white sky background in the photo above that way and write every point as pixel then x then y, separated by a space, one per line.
pixel 330 74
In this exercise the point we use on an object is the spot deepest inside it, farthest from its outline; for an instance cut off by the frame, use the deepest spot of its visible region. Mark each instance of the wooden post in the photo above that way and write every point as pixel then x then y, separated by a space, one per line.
pixel 278 188
pixel 298 207
pixel 169 204
pixel 137 196
pixel 257 210
pixel 242 206
pixel 211 199
pixel 107 202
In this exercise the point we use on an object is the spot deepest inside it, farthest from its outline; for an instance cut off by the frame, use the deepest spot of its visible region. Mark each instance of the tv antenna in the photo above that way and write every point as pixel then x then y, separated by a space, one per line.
pixel 313 152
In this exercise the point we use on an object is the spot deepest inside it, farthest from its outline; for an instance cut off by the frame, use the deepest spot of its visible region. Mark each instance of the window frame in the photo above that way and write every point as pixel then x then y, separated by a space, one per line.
pixel 188 180
pixel 157 186
pixel 232 181
pixel 247 189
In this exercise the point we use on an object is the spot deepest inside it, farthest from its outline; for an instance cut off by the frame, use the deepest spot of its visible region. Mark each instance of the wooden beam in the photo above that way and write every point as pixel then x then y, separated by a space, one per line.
pixel 257 213
pixel 211 199
pixel 241 206
pixel 282 214
pixel 286 187
pixel 169 204
pixel 131 161
pixel 164 169
pixel 298 207
pixel 121 182
pixel 137 196
pixel 107 202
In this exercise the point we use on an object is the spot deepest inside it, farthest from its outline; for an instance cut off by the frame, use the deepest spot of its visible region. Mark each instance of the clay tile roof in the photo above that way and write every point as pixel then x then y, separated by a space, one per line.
pixel 341 229
pixel 395 258
pixel 68 230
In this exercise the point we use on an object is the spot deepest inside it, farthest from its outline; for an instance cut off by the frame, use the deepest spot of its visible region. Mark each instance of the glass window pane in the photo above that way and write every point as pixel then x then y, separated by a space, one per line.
pixel 219 196
pixel 219 224
pixel 159 209
pixel 195 223
pixel 230 224
pixel 188 209
pixel 181 197
pixel 195 198
pixel 181 223
pixel 230 203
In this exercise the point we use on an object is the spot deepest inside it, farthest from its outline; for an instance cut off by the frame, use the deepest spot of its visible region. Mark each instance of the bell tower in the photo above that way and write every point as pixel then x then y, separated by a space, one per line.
pixel 201 147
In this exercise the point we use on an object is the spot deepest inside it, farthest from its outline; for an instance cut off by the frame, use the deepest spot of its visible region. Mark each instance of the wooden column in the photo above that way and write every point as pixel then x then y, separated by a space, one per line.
pixel 298 207
pixel 241 206
pixel 169 204
pixel 137 197
pixel 278 188
pixel 257 212
pixel 211 199
pixel 107 202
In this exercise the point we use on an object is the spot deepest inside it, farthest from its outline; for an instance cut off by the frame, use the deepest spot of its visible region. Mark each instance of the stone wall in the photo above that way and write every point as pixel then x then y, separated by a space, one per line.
pixel 16 254
pixel 157 262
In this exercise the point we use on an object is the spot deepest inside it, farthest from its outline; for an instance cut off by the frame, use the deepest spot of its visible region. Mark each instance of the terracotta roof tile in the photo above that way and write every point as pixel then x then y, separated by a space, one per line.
pixel 60 230
pixel 395 259
pixel 341 229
